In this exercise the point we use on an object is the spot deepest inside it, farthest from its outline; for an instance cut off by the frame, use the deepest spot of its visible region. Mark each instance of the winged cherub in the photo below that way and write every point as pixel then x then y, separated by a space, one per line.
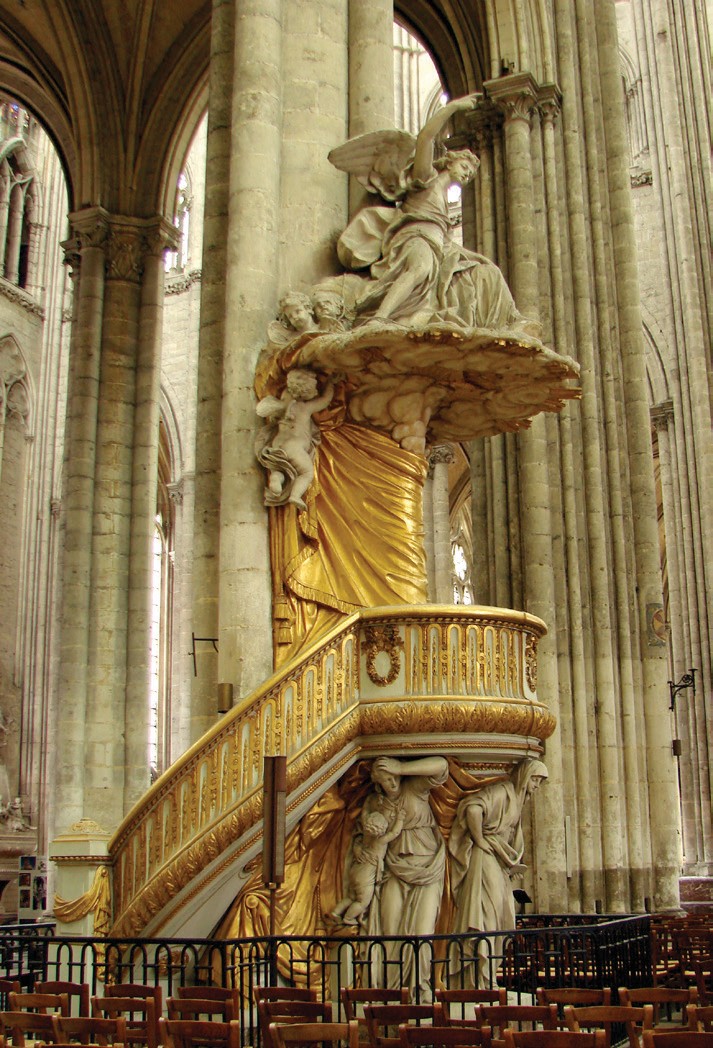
pixel 419 274
pixel 286 445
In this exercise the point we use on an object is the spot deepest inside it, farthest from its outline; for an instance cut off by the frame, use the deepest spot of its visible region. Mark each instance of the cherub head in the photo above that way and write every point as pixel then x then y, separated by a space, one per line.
pixel 375 824
pixel 302 385
pixel 296 311
pixel 327 305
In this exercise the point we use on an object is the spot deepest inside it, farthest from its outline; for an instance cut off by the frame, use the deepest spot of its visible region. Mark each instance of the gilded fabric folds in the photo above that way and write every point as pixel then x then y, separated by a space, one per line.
pixel 358 544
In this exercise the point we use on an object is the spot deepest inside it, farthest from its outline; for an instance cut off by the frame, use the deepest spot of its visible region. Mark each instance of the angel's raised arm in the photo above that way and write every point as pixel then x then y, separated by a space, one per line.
pixel 425 142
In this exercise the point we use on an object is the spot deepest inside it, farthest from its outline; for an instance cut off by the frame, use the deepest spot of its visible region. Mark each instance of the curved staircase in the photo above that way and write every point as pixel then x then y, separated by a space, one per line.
pixel 458 681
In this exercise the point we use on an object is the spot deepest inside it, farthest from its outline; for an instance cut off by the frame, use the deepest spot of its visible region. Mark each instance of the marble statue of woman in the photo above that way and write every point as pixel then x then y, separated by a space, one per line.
pixel 485 844
pixel 409 896
pixel 419 273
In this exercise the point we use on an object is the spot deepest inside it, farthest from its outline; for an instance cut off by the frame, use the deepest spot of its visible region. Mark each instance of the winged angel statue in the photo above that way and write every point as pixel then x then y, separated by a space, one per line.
pixel 418 273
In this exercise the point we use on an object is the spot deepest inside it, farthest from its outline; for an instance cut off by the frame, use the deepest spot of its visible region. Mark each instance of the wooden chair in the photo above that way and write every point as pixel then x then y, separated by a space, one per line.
pixel 186 1033
pixel 660 997
pixel 138 990
pixel 700 1018
pixel 305 1012
pixel 676 1039
pixel 200 1008
pixel 140 1015
pixel 444 1036
pixel 354 998
pixel 335 1034
pixel 78 991
pixel 574 995
pixel 634 1020
pixel 45 1003
pixel 381 1018
pixel 84 1029
pixel 454 1001
pixel 283 993
pixel 15 1026
pixel 207 993
pixel 553 1039
pixel 8 986
pixel 501 1016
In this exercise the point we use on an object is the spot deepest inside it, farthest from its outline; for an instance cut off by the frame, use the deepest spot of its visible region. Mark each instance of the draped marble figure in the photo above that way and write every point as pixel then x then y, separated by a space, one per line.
pixel 409 897
pixel 485 845
pixel 418 273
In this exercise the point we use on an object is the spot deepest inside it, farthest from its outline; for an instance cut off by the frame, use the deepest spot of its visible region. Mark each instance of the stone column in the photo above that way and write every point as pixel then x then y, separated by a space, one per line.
pixel 35 244
pixel 106 745
pixel 144 483
pixel 371 74
pixel 252 258
pixel 206 525
pixel 4 208
pixel 549 101
pixel 85 254
pixel 516 96
pixel 14 232
pixel 663 792
pixel 441 457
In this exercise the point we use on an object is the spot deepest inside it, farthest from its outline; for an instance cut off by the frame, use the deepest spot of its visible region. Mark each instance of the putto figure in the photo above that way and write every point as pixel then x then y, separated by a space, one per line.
pixel 286 445
pixel 419 273
pixel 367 865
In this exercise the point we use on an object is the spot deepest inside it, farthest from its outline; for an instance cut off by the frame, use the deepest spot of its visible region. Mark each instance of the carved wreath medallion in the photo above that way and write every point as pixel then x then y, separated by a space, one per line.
pixel 384 639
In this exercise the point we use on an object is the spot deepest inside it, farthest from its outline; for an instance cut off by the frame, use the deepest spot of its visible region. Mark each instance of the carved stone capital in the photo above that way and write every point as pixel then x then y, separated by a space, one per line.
pixel 441 453
pixel 515 95
pixel 662 415
pixel 482 125
pixel 549 102
pixel 175 492
pixel 126 241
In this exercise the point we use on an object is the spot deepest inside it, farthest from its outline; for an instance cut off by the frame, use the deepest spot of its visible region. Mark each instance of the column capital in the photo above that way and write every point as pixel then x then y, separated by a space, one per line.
pixel 549 102
pixel 662 415
pixel 481 125
pixel 440 454
pixel 516 95
pixel 126 241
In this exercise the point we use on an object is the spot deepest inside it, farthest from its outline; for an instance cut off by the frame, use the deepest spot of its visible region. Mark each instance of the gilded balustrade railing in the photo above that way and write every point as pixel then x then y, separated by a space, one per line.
pixel 404 672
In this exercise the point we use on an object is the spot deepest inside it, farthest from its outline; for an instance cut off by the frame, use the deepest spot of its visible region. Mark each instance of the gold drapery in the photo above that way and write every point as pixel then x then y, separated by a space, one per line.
pixel 358 544
pixel 315 853
pixel 96 900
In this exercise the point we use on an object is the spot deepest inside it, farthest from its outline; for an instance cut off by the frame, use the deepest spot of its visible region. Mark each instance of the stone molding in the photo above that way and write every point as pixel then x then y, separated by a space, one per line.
pixel 184 282
pixel 15 294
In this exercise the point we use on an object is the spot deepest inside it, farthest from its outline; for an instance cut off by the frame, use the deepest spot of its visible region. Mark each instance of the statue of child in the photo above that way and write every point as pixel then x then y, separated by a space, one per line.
pixel 288 449
pixel 367 865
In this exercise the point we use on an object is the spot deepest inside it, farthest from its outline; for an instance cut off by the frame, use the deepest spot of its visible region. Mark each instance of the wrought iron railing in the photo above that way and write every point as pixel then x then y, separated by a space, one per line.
pixel 606 952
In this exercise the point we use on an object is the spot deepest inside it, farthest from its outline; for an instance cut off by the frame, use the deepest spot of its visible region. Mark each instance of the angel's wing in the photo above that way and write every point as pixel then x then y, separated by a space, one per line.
pixel 270 407
pixel 377 160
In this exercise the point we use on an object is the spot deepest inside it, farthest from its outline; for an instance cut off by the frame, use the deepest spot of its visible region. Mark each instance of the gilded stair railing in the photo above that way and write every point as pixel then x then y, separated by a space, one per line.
pixel 418 677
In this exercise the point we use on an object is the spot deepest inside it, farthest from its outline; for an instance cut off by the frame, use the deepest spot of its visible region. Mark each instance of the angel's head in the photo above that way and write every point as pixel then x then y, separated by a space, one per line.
pixel 302 384
pixel 296 310
pixel 461 165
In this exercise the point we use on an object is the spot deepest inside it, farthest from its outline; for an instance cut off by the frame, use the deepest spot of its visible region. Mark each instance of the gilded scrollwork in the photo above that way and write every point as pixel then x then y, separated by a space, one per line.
pixel 531 661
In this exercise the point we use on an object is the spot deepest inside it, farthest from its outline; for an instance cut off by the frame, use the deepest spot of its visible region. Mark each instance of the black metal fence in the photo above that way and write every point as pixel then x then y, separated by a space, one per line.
pixel 586 951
